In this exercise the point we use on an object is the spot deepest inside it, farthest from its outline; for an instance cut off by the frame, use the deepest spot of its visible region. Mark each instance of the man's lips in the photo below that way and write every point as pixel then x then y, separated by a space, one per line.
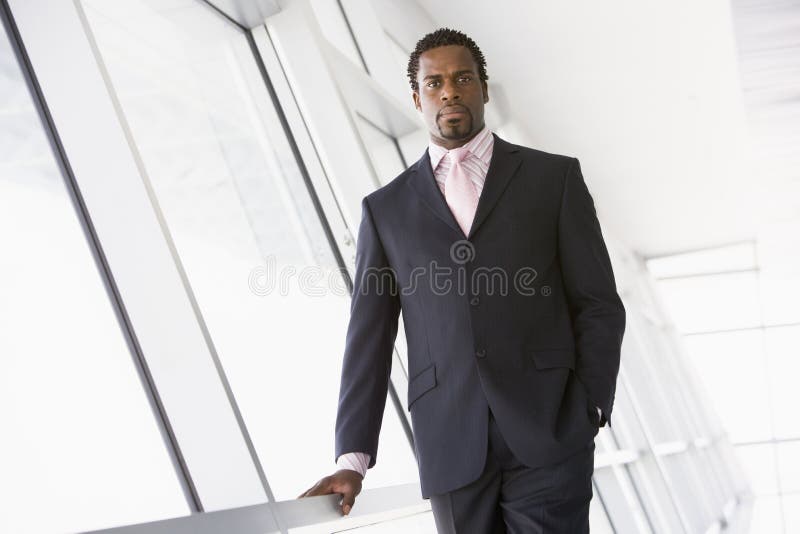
pixel 452 112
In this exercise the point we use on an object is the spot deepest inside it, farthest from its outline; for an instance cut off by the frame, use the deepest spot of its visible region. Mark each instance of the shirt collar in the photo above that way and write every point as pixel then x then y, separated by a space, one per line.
pixel 480 146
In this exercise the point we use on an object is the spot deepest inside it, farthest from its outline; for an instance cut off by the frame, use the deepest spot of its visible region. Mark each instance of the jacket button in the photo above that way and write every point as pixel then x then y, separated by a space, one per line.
pixel 480 353
pixel 474 301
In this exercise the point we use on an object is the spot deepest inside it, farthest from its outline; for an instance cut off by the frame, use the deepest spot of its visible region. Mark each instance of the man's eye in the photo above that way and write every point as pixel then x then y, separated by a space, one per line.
pixel 431 84
pixel 465 79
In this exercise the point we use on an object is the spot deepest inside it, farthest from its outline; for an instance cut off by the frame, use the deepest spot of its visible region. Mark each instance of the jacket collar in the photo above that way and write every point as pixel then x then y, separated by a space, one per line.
pixel 504 164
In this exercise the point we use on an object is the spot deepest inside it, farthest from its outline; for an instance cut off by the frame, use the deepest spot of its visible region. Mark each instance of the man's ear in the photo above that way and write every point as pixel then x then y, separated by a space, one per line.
pixel 415 97
pixel 485 91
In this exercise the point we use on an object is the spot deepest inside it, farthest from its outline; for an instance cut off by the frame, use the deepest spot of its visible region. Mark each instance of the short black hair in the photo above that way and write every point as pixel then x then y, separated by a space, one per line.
pixel 444 37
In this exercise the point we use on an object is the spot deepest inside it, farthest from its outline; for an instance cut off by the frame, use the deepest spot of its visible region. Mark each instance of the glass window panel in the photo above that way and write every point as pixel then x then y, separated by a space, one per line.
pixel 727 451
pixel 726 467
pixel 713 260
pixel 685 377
pixel 604 441
pixel 789 466
pixel 759 465
pixel 791 513
pixel 387 163
pixel 702 404
pixel 779 247
pixel 399 53
pixel 712 302
pixel 642 293
pixel 664 377
pixel 707 480
pixel 401 345
pixel 685 490
pixel 627 428
pixel 766 516
pixel 382 151
pixel 779 256
pixel 598 518
pixel 80 448
pixel 245 228
pixel 783 358
pixel 335 28
pixel 777 305
pixel 647 388
pixel 741 392
pixel 658 502
pixel 619 499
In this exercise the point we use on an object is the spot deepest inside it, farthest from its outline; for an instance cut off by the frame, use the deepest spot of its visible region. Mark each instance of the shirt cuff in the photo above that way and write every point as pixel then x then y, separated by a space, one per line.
pixel 355 461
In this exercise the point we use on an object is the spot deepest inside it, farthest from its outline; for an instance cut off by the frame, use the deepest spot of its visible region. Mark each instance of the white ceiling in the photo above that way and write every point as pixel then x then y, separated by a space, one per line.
pixel 768 42
pixel 649 97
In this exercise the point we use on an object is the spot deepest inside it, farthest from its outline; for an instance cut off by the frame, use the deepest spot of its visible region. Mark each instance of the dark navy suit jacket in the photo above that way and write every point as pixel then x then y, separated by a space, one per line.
pixel 521 316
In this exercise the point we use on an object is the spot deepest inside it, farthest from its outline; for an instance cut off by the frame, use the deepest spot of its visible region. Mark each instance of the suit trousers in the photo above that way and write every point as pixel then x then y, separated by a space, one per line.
pixel 510 497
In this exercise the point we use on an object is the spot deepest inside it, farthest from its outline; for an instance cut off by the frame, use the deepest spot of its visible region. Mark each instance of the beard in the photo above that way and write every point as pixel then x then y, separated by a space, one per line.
pixel 455 128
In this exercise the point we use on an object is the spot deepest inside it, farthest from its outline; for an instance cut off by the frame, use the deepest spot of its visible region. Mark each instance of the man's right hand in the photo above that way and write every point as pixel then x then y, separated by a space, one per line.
pixel 344 481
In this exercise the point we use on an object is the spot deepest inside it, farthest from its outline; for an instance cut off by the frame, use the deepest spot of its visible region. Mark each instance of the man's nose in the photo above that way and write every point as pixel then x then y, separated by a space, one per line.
pixel 450 92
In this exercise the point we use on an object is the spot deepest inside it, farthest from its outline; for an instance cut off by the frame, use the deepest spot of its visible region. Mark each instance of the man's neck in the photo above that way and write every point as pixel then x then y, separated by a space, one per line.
pixel 455 143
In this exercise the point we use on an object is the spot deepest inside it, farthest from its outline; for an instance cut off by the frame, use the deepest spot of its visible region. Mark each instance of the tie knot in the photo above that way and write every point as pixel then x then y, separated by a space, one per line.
pixel 457 155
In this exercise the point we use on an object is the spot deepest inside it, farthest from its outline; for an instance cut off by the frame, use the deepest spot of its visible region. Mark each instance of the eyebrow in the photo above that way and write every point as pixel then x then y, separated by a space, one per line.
pixel 463 71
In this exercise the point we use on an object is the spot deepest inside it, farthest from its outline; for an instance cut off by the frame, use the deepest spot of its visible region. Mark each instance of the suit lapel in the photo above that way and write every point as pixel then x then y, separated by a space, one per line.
pixel 503 166
pixel 425 185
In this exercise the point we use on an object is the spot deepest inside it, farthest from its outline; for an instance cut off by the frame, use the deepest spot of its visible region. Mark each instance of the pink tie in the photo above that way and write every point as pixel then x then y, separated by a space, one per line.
pixel 459 191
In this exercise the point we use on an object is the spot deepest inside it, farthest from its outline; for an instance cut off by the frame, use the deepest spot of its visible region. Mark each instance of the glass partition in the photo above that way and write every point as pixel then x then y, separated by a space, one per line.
pixel 246 231
pixel 81 447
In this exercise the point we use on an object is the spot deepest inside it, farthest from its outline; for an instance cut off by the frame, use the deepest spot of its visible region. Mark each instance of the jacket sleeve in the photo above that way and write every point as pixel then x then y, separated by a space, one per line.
pixel 598 316
pixel 371 332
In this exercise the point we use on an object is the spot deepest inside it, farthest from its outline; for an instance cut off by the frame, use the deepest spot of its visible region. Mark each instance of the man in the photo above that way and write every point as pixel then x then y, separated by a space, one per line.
pixel 494 254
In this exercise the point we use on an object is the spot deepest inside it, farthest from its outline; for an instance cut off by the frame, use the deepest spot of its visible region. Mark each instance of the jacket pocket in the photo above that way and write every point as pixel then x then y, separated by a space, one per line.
pixel 549 358
pixel 421 383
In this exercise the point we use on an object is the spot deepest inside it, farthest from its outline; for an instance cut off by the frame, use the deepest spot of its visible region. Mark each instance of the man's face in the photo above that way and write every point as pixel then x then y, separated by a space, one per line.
pixel 451 95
